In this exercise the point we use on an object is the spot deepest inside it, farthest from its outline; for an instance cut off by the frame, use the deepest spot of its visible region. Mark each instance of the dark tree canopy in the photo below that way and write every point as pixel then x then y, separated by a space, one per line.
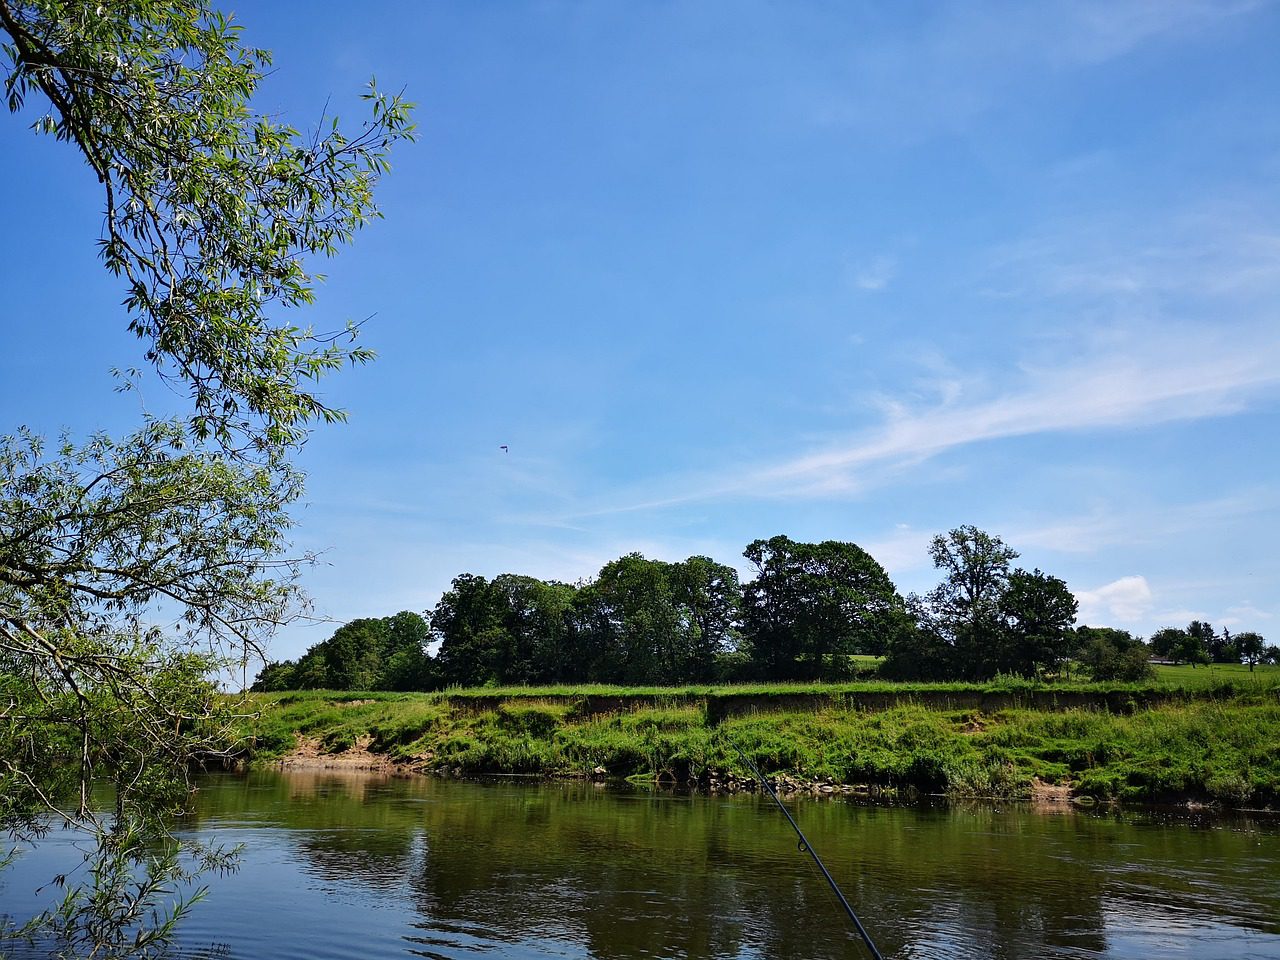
pixel 535 617
pixel 1111 654
pixel 1220 647
pixel 920 651
pixel 975 568
pixel 650 621
pixel 810 608
pixel 965 606
pixel 1039 613
pixel 1183 645
pixel 985 617
pixel 809 601
pixel 468 623
pixel 709 598
pixel 1252 647
pixel 639 621
pixel 375 653
pixel 627 623
pixel 1167 642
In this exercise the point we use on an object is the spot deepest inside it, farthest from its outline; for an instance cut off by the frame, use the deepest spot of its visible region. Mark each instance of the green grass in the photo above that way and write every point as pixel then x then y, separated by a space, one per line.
pixel 1168 678
pixel 1185 677
pixel 1223 748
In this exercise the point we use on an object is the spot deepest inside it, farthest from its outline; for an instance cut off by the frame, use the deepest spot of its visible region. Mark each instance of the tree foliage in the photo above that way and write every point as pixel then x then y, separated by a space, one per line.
pixel 97 541
pixel 132 567
pixel 638 621
pixel 808 611
pixel 709 598
pixel 1111 654
pixel 965 606
pixel 211 210
pixel 809 601
pixel 1252 648
pixel 1039 613
pixel 372 653
pixel 1183 645
pixel 985 617
pixel 650 621
pixel 1216 647
pixel 1167 641
pixel 468 622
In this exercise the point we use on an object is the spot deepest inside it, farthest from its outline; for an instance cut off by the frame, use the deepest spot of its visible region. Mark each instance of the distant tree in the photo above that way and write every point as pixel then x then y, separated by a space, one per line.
pixel 1168 642
pixel 1252 648
pixel 1039 613
pixel 1227 649
pixel 708 600
pixel 811 600
pixel 276 676
pixel 405 662
pixel 1217 646
pixel 312 671
pixel 965 606
pixel 468 622
pixel 1111 654
pixel 509 630
pixel 387 653
pixel 630 625
pixel 918 650
pixel 535 616
pixel 353 655
pixel 1191 649
pixel 1271 654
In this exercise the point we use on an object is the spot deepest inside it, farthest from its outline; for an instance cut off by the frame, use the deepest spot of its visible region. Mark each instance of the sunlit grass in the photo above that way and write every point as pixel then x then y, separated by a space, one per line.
pixel 1218 748
pixel 1188 677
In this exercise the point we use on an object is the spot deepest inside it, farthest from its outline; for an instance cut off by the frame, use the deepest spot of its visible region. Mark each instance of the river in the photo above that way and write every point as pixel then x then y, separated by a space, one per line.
pixel 364 866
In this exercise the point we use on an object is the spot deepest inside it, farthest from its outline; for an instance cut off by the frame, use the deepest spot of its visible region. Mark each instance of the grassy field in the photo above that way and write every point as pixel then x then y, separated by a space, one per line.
pixel 1228 678
pixel 1214 740
pixel 1186 677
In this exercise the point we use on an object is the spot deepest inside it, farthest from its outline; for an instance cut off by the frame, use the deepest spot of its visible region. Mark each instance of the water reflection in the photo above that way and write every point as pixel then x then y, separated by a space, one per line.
pixel 360 865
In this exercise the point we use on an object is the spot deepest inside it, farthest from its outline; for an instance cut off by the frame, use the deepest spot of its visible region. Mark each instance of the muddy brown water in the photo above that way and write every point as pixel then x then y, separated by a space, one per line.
pixel 349 864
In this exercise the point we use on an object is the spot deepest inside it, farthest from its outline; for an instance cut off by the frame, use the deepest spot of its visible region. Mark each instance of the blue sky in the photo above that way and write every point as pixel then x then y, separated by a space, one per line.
pixel 715 271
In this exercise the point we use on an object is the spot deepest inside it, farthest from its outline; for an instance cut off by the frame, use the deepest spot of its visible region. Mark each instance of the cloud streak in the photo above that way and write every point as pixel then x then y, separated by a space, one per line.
pixel 1136 382
pixel 959 63
pixel 875 274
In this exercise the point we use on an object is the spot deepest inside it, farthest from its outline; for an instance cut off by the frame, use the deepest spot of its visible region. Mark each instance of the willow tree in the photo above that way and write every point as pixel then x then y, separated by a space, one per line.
pixel 132 567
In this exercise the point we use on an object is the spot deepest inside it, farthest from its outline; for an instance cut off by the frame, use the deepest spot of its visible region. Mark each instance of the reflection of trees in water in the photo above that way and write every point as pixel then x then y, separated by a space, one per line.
pixel 629 875
pixel 998 884
pixel 348 823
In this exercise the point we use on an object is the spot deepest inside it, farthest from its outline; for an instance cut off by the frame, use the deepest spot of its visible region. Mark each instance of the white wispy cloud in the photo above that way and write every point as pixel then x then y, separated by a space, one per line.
pixel 965 58
pixel 1147 377
pixel 873 275
pixel 1181 616
pixel 1149 523
pixel 1184 375
pixel 1097 31
pixel 1125 600
pixel 1246 615
pixel 1137 323
pixel 1223 250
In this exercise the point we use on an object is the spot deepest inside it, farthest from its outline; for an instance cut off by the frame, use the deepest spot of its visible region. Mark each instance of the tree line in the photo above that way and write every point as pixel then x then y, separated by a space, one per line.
pixel 806 614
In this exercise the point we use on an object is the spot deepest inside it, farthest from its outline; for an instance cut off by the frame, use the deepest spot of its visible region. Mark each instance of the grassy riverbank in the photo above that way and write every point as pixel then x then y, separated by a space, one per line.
pixel 1215 743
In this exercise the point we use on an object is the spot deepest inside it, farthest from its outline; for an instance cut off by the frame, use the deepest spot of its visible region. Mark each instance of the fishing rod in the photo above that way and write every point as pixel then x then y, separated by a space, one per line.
pixel 806 847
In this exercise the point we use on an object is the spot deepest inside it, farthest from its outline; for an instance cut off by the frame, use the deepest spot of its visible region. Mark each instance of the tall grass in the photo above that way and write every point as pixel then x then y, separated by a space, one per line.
pixel 1224 751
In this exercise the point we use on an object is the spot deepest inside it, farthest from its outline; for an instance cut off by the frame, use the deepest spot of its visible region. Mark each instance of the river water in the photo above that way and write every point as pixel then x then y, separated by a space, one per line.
pixel 363 866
